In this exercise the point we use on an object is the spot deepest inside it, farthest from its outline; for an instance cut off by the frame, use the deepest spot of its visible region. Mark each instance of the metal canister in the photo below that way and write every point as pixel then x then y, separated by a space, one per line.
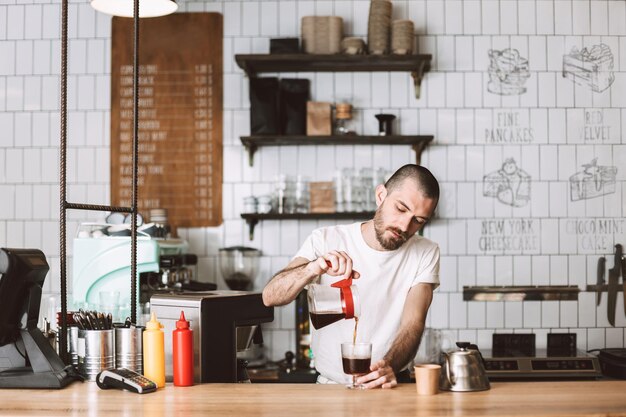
pixel 129 348
pixel 95 352
pixel 72 337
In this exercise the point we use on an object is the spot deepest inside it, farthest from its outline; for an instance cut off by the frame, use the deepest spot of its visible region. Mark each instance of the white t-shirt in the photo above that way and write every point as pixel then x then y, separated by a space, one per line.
pixel 386 277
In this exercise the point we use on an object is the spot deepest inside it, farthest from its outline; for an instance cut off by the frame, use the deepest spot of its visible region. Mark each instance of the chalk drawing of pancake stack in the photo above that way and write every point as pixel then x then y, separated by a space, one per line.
pixel 590 67
pixel 593 181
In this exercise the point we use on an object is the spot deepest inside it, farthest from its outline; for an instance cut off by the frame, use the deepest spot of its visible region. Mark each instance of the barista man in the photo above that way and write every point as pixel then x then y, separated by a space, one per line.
pixel 397 273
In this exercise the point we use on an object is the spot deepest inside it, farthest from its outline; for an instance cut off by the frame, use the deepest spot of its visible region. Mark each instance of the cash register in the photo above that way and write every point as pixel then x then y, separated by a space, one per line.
pixel 27 360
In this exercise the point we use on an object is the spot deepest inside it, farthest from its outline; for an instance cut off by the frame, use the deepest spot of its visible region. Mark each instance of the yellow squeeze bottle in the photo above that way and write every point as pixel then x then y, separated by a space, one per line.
pixel 154 352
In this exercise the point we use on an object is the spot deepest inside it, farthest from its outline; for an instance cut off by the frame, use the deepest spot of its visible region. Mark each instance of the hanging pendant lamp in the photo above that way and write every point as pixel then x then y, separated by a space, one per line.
pixel 124 8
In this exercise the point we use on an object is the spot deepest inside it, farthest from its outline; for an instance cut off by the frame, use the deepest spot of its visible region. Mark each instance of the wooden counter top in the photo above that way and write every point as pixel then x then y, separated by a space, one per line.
pixel 597 398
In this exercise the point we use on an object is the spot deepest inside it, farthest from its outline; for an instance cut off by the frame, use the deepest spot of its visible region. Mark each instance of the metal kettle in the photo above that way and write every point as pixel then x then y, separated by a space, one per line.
pixel 463 370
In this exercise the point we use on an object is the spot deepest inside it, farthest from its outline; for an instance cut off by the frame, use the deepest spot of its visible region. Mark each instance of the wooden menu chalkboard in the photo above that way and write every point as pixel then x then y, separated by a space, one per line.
pixel 180 116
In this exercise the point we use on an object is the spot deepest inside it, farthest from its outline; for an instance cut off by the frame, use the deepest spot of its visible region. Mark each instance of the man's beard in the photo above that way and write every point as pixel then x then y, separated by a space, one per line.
pixel 379 227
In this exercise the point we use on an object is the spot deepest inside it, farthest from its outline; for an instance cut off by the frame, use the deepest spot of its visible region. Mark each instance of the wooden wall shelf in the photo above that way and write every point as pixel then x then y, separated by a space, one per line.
pixel 521 293
pixel 252 143
pixel 417 65
pixel 252 219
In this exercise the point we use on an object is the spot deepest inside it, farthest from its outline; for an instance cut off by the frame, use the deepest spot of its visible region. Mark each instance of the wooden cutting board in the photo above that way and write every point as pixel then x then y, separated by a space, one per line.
pixel 180 116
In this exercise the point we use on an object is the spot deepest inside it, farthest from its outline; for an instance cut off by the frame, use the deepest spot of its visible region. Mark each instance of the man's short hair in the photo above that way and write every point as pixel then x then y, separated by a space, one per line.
pixel 426 181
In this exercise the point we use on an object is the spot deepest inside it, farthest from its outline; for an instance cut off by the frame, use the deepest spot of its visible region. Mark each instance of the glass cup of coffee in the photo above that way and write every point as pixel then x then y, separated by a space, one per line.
pixel 356 358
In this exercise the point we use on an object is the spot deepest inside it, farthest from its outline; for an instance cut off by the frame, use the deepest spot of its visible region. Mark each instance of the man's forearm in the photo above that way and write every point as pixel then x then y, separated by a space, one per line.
pixel 404 348
pixel 285 286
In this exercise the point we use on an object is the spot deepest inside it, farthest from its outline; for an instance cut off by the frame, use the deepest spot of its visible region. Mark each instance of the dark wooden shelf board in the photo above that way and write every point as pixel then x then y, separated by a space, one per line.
pixel 309 216
pixel 252 219
pixel 417 65
pixel 521 293
pixel 258 63
pixel 252 143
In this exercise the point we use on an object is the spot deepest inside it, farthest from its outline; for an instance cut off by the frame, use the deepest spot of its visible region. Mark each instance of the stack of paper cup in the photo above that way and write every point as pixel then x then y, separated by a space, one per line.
pixel 378 27
pixel 402 34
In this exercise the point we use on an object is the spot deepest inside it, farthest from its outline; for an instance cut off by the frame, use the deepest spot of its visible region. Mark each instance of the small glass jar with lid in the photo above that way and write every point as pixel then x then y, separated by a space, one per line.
pixel 343 113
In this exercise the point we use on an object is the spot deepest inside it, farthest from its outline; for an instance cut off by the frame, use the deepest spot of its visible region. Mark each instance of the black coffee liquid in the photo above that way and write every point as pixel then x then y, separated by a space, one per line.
pixel 321 319
pixel 356 366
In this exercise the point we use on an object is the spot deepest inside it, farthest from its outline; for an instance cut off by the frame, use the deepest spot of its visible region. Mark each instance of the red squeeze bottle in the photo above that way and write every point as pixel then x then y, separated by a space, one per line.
pixel 182 357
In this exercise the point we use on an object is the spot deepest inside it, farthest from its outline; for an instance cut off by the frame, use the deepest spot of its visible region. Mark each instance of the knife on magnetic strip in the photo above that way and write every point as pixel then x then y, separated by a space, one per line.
pixel 600 279
pixel 624 281
pixel 614 274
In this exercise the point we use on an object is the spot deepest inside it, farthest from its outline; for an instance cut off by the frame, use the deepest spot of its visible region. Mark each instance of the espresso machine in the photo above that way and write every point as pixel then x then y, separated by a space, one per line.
pixel 177 272
pixel 101 263
pixel 223 323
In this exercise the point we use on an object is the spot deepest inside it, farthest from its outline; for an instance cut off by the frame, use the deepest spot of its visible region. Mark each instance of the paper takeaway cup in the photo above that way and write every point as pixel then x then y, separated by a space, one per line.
pixel 427 379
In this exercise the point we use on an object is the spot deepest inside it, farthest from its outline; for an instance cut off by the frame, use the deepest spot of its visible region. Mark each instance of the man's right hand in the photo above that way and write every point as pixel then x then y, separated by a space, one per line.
pixel 285 286
pixel 340 265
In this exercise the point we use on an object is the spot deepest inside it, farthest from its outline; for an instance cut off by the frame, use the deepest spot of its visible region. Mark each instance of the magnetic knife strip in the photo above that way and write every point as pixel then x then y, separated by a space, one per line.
pixel 613 286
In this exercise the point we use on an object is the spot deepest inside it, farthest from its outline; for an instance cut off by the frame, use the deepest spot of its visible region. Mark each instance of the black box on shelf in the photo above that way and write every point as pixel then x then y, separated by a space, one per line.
pixel 278 107
pixel 284 46
pixel 264 104
pixel 294 94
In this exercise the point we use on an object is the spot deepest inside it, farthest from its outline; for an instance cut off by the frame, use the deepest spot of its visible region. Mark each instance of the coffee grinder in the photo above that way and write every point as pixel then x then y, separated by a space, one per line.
pixel 223 322
pixel 239 266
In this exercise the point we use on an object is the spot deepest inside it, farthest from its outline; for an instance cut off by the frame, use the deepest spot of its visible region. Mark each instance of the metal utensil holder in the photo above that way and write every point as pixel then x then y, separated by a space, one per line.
pixel 72 337
pixel 96 352
pixel 129 348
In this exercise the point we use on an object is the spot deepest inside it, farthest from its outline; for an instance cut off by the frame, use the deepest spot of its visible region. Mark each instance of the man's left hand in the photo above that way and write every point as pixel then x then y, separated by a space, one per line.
pixel 382 375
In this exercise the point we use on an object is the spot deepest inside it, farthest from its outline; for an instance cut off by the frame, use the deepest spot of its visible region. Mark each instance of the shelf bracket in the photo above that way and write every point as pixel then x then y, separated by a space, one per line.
pixel 251 225
pixel 418 75
pixel 251 149
pixel 418 148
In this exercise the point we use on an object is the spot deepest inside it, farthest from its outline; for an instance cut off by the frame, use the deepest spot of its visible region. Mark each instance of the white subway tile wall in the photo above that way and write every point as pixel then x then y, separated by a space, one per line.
pixel 532 165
